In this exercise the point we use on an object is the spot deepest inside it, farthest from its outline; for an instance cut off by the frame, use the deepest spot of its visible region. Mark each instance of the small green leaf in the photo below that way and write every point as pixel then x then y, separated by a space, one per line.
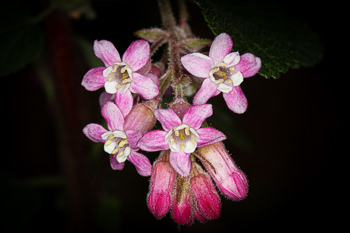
pixel 194 44
pixel 21 41
pixel 151 35
pixel 266 30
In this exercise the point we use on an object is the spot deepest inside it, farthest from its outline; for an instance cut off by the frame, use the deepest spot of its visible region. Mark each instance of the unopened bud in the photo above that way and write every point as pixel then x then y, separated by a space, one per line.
pixel 161 187
pixel 140 118
pixel 208 200
pixel 231 181
pixel 181 203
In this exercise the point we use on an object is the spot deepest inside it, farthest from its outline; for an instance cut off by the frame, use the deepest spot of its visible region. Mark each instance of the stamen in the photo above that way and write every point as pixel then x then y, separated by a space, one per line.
pixel 125 75
pixel 228 81
pixel 187 131
pixel 126 80
pixel 232 68
pixel 182 146
pixel 122 143
pixel 115 151
pixel 110 77
pixel 176 133
pixel 172 141
pixel 120 153
pixel 122 70
pixel 192 140
pixel 118 86
pixel 182 136
pixel 108 142
pixel 114 69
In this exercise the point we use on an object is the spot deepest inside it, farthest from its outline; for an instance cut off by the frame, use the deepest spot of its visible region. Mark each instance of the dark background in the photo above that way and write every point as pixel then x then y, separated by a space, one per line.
pixel 288 142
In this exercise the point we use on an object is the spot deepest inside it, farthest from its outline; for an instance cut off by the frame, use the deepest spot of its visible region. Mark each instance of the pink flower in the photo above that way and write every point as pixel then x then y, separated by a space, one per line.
pixel 231 181
pixel 181 136
pixel 121 76
pixel 222 71
pixel 120 140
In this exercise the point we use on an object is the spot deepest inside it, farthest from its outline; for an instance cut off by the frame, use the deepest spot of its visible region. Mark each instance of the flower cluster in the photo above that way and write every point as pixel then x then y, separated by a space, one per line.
pixel 193 162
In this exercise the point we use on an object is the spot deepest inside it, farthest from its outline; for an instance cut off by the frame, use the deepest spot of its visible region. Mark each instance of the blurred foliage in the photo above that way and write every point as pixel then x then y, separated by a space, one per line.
pixel 21 40
pixel 266 30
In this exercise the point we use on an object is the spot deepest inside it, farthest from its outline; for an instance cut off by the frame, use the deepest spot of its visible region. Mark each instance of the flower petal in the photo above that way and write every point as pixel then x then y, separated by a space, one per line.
pixel 232 59
pixel 197 64
pixel 106 51
pixel 236 100
pixel 124 102
pixel 249 65
pixel 196 114
pixel 141 163
pixel 209 136
pixel 133 137
pixel 153 141
pixel 94 79
pixel 181 162
pixel 113 116
pixel 144 86
pixel 137 54
pixel 167 117
pixel 115 165
pixel 221 46
pixel 237 79
pixel 94 132
pixel 207 90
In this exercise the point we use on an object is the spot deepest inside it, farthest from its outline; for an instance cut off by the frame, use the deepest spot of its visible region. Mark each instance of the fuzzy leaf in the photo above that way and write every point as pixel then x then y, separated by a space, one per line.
pixel 264 29
pixel 194 44
pixel 151 35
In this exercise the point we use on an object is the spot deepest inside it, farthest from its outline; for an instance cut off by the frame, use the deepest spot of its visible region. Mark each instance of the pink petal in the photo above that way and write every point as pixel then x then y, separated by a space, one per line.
pixel 106 51
pixel 141 163
pixel 94 132
pixel 181 162
pixel 137 54
pixel 115 165
pixel 197 64
pixel 94 79
pixel 153 141
pixel 144 86
pixel 209 136
pixel 133 137
pixel 249 65
pixel 168 118
pixel 236 100
pixel 232 59
pixel 113 116
pixel 207 90
pixel 221 46
pixel 124 102
pixel 196 114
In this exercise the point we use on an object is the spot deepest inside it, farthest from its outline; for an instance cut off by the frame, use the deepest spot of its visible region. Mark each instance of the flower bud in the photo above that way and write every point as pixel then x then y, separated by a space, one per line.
pixel 181 202
pixel 208 200
pixel 161 187
pixel 231 181
pixel 141 118
pixel 180 106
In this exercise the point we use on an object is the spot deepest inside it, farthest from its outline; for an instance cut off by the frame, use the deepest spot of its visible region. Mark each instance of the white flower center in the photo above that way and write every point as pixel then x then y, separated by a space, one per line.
pixel 182 137
pixel 223 77
pixel 119 77
pixel 117 143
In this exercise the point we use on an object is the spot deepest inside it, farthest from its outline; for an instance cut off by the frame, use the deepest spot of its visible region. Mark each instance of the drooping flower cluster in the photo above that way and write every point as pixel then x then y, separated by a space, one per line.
pixel 192 155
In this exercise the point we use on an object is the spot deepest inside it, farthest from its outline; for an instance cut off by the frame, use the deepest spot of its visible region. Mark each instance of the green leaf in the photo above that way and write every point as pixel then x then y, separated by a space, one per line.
pixel 21 41
pixel 266 30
